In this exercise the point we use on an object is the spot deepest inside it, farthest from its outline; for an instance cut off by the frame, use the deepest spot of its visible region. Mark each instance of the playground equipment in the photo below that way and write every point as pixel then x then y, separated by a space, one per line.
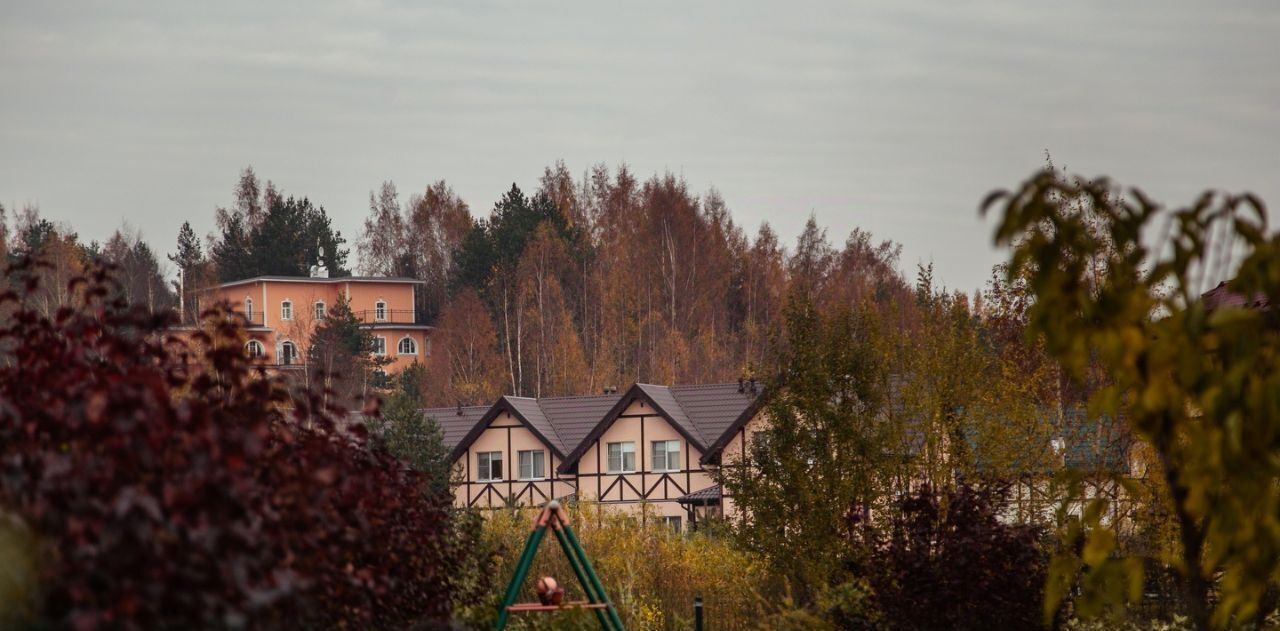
pixel 553 516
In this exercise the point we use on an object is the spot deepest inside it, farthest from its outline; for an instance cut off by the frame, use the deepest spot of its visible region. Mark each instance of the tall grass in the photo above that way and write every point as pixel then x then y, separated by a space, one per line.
pixel 650 572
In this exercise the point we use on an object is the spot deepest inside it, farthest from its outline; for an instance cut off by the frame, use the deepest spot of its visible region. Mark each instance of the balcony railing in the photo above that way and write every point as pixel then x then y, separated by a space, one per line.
pixel 388 316
pixel 254 320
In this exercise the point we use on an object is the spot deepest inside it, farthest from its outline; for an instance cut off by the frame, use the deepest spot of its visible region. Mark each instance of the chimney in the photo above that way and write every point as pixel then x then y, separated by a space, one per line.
pixel 753 385
pixel 740 386
pixel 459 408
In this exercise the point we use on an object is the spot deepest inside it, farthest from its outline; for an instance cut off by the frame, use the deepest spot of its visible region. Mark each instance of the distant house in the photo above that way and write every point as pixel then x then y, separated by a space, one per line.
pixel 283 311
pixel 647 445
pixel 1222 296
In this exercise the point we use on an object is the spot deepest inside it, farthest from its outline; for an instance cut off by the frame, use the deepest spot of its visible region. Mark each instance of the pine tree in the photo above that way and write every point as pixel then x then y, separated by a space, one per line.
pixel 411 436
pixel 339 356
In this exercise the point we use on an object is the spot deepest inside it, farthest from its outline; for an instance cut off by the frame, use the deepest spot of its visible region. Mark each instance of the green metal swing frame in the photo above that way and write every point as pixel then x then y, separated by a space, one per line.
pixel 553 516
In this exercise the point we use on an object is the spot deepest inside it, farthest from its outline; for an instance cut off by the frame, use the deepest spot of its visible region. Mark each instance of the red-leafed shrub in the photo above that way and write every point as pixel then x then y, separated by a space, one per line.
pixel 182 488
pixel 949 562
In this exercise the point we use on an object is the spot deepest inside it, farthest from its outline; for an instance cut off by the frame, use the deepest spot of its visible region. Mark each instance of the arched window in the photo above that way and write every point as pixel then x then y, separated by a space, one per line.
pixel 319 309
pixel 248 309
pixel 380 311
pixel 407 347
pixel 254 347
pixel 286 310
pixel 288 353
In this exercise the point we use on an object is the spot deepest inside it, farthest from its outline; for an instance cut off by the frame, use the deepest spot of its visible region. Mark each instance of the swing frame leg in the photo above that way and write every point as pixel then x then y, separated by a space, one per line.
pixel 553 516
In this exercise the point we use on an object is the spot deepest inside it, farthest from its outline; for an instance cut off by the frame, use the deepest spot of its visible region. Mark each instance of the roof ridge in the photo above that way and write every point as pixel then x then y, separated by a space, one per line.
pixel 577 396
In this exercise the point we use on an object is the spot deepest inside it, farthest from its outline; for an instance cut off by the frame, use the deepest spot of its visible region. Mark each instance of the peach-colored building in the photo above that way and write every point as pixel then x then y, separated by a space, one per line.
pixel 283 311
pixel 652 445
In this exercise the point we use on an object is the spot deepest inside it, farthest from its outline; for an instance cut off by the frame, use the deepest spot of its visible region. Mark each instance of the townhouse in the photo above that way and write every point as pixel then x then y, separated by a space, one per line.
pixel 654 445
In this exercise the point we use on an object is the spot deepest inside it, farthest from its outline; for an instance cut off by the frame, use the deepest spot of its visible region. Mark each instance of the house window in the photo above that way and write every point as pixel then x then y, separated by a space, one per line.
pixel 254 347
pixel 380 311
pixel 489 466
pixel 622 457
pixel 288 353
pixel 286 310
pixel 319 310
pixel 760 447
pixel 672 522
pixel 532 464
pixel 379 345
pixel 426 347
pixel 248 309
pixel 407 347
pixel 666 455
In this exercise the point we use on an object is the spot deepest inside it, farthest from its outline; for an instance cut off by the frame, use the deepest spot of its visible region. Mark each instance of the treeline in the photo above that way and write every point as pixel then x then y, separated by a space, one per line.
pixel 580 283
pixel 63 256
pixel 606 279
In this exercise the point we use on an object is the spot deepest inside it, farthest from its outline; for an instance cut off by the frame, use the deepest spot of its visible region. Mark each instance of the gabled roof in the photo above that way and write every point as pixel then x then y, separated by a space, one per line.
pixel 455 422
pixel 574 417
pixel 699 413
pixel 559 422
pixel 528 411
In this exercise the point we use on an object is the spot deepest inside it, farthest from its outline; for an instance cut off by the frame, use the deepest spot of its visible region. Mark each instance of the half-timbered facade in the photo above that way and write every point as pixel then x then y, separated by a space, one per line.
pixel 513 453
pixel 648 449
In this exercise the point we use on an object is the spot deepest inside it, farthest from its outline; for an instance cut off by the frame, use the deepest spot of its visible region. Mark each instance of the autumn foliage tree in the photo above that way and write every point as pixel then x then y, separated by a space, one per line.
pixel 168 488
pixel 1197 384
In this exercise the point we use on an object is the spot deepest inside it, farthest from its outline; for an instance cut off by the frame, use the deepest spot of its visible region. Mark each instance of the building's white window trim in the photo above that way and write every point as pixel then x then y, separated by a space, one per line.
pixel 288 353
pixel 532 464
pixel 379 345
pixel 672 522
pixel 248 309
pixel 489 466
pixel 622 457
pixel 255 349
pixel 380 310
pixel 666 455
pixel 407 346
pixel 319 311
pixel 286 309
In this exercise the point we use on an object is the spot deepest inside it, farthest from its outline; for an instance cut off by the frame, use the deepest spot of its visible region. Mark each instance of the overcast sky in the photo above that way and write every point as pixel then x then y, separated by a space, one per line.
pixel 893 118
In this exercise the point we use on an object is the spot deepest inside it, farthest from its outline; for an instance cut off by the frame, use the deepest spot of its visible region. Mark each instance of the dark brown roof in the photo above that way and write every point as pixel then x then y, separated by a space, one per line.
pixel 702 497
pixel 1221 296
pixel 560 422
pixel 713 407
pixel 700 413
pixel 574 417
pixel 453 425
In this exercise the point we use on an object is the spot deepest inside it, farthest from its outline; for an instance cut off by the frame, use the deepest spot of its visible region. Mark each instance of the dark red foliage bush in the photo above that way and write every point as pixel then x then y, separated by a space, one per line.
pixel 181 488
pixel 950 563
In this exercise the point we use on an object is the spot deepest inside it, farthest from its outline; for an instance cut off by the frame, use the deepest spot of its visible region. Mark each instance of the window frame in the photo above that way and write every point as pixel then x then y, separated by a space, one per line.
pixel 248 309
pixel 674 522
pixel 481 474
pixel 286 357
pixel 540 460
pixel 251 344
pixel 666 456
pixel 380 311
pixel 622 457
pixel 379 341
pixel 286 310
pixel 400 346
pixel 319 310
